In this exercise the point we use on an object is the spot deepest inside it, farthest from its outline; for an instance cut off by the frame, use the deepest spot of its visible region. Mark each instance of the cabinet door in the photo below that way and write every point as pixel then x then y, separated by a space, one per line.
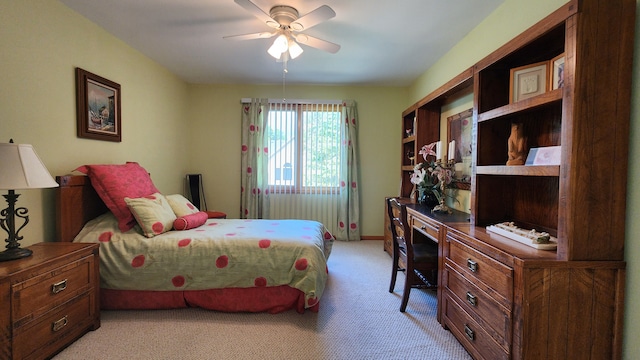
pixel 571 309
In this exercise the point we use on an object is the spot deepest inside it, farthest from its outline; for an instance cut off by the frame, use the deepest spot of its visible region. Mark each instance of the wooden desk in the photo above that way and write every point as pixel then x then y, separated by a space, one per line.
pixel 423 218
pixel 498 296
pixel 426 226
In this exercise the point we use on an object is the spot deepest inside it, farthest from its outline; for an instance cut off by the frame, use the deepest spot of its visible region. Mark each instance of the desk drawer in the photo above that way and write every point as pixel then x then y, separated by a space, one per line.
pixel 33 297
pixel 476 267
pixel 54 329
pixel 481 306
pixel 426 226
pixel 472 336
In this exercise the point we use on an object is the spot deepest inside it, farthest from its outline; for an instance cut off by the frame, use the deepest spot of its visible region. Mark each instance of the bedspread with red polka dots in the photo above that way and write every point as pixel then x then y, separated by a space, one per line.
pixel 222 253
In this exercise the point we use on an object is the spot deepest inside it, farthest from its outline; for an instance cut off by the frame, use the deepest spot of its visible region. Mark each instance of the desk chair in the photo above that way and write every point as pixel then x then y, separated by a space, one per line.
pixel 419 261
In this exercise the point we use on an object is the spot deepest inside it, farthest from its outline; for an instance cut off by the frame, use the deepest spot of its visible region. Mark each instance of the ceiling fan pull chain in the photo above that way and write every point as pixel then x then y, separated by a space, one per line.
pixel 284 74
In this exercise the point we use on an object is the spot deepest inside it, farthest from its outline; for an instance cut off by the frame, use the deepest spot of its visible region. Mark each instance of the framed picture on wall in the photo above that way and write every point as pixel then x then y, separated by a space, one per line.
pixel 528 81
pixel 556 67
pixel 98 107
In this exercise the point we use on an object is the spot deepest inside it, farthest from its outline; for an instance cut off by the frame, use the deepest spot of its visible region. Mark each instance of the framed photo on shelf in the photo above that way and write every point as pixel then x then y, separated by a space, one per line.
pixel 97 107
pixel 528 81
pixel 548 155
pixel 556 68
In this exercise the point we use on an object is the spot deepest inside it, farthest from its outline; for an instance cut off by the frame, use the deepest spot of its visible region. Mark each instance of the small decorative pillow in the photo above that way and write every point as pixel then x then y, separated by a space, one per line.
pixel 153 214
pixel 115 182
pixel 190 221
pixel 181 206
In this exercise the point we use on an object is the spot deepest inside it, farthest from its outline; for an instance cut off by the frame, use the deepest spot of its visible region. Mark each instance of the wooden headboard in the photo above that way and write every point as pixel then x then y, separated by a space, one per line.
pixel 76 204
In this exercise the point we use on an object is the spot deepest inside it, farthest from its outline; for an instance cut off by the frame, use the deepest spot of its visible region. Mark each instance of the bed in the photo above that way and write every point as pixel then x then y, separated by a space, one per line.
pixel 231 265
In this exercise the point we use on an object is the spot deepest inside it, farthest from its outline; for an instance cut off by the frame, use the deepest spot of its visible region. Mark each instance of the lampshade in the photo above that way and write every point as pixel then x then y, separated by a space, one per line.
pixel 21 168
pixel 280 45
pixel 294 49
pixel 284 48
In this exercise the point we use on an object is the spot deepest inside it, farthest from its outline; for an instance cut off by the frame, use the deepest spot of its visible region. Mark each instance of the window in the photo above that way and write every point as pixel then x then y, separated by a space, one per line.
pixel 304 148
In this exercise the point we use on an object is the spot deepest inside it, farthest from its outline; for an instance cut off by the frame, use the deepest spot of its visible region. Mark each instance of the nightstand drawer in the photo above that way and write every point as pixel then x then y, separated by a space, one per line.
pixel 37 295
pixel 470 333
pixel 480 305
pixel 496 277
pixel 54 329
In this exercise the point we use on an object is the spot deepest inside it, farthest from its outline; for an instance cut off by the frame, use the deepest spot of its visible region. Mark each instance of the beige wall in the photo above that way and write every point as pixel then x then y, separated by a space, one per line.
pixel 173 128
pixel 215 124
pixel 41 43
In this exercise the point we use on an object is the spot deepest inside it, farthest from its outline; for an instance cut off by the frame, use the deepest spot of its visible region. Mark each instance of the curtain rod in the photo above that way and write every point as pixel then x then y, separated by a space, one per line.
pixel 298 101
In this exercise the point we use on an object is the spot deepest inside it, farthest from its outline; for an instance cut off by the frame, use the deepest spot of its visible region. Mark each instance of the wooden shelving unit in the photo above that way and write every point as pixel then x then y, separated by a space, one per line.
pixel 425 116
pixel 539 304
pixel 588 117
pixel 423 119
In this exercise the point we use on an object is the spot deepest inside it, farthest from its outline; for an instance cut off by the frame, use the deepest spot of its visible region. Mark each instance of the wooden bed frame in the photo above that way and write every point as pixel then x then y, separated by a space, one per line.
pixel 77 203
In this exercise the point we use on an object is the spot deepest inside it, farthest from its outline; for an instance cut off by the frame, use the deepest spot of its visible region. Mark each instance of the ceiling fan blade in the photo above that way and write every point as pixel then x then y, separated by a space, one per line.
pixel 325 45
pixel 257 12
pixel 260 35
pixel 321 14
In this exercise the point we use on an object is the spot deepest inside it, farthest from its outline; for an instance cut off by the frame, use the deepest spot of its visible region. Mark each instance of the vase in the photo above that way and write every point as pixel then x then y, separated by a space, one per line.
pixel 426 197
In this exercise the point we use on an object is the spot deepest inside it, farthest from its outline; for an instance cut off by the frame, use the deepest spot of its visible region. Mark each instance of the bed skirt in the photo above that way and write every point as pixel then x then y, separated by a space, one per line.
pixel 273 299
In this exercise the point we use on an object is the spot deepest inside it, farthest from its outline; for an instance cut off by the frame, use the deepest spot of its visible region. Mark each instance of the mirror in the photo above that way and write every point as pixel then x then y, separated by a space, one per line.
pixel 459 129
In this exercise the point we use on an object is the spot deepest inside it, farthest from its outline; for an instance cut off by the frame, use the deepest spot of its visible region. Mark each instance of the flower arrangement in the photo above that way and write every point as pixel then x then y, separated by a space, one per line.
pixel 430 175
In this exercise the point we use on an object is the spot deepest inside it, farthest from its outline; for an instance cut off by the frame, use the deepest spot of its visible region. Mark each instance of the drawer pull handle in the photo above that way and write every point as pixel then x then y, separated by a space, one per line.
pixel 470 334
pixel 59 286
pixel 423 227
pixel 472 299
pixel 58 325
pixel 472 265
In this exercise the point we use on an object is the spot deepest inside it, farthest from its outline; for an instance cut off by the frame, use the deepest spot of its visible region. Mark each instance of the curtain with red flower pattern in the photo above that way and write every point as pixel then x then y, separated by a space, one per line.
pixel 349 203
pixel 254 185
pixel 338 209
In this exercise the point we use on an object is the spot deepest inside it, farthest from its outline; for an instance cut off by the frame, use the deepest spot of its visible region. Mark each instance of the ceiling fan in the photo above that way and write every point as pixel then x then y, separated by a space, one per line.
pixel 288 24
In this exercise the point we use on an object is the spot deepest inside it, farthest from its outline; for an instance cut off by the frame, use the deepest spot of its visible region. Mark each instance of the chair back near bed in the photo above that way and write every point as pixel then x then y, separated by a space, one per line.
pixel 76 203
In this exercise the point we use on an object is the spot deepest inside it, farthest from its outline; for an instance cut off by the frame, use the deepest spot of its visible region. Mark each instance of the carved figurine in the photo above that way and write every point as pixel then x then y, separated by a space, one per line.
pixel 517 146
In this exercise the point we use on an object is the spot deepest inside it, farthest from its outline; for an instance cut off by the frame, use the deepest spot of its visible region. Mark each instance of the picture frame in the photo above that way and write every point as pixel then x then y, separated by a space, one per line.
pixel 459 128
pixel 556 72
pixel 548 155
pixel 528 81
pixel 97 107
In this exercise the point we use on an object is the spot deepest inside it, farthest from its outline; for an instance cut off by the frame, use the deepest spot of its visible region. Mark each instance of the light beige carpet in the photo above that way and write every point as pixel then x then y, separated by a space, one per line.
pixel 358 319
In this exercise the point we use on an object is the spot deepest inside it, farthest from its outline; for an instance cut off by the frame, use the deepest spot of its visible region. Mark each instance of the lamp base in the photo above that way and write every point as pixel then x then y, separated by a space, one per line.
pixel 13 254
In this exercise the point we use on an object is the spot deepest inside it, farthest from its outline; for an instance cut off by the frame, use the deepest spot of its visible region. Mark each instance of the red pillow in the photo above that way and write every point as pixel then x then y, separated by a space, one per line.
pixel 115 182
pixel 190 221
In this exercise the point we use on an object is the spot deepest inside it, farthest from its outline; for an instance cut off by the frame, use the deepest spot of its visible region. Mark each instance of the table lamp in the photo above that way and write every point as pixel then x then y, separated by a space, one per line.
pixel 20 168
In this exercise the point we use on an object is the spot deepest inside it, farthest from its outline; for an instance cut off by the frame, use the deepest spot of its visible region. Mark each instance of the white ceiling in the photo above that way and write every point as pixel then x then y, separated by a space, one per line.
pixel 386 43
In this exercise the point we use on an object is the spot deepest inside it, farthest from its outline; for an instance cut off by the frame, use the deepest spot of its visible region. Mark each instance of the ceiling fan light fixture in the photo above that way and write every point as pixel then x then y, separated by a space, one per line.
pixel 287 24
pixel 280 45
pixel 294 49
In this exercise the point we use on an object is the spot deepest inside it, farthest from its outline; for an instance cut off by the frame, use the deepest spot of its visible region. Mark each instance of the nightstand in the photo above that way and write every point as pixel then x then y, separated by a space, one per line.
pixel 49 299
